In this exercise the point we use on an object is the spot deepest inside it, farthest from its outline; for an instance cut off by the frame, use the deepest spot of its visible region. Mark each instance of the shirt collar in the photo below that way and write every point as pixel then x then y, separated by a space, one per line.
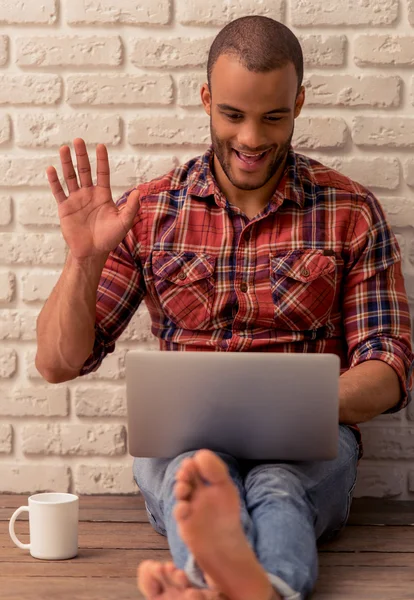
pixel 203 183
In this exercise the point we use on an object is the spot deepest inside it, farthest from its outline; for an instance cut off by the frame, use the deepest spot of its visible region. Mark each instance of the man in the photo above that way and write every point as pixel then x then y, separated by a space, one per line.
pixel 249 247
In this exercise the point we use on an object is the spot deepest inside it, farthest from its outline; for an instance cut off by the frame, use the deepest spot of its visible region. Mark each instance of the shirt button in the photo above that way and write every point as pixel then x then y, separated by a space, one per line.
pixel 305 272
pixel 182 275
pixel 244 287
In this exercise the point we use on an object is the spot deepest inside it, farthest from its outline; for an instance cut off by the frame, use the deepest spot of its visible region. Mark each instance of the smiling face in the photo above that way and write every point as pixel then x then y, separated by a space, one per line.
pixel 251 120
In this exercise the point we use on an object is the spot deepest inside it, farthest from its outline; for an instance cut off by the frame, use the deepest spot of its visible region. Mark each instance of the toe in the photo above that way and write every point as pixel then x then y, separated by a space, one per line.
pixel 182 510
pixel 180 579
pixel 210 467
pixel 193 594
pixel 187 470
pixel 149 582
pixel 183 490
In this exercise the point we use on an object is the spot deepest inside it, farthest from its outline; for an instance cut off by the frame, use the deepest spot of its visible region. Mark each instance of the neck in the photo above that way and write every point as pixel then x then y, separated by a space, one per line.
pixel 251 202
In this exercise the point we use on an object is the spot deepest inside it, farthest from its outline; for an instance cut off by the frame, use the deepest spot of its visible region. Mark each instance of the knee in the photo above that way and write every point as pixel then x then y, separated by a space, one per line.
pixel 274 479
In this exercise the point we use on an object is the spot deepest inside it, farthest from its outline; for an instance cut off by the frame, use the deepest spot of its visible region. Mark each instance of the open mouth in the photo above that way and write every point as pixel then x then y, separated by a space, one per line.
pixel 251 159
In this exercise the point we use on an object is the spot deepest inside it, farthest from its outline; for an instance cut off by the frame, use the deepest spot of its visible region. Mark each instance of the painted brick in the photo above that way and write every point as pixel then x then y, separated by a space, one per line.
pixel 389 442
pixel 170 52
pixel 128 12
pixel 5 129
pixel 308 13
pixel 218 13
pixel 391 132
pixel 377 91
pixel 69 50
pixel 139 328
pixel 30 89
pixel 104 479
pixel 323 50
pixel 28 12
pixel 411 481
pixel 410 5
pixel 4 49
pixel 7 286
pixel 37 285
pixel 100 401
pixel 408 168
pixel 399 210
pixel 37 211
pixel 5 210
pixel 74 439
pixel 18 324
pixel 379 481
pixel 8 362
pixel 384 50
pixel 377 172
pixel 53 130
pixel 318 132
pixel 124 88
pixel 33 477
pixel 34 401
pixel 188 90
pixel 6 438
pixel 32 248
pixel 168 130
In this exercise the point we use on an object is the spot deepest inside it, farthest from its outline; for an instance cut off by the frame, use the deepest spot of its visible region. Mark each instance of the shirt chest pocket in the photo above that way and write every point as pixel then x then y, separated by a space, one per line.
pixel 184 285
pixel 303 285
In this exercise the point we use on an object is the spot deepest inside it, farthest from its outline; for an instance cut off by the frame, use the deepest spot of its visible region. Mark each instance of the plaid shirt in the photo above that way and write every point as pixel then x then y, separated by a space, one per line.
pixel 318 270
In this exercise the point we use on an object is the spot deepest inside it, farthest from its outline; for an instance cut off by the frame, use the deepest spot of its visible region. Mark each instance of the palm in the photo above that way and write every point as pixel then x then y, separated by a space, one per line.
pixel 91 223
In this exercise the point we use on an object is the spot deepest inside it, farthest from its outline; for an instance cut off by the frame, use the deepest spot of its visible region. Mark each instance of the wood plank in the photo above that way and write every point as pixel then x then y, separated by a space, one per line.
pixel 388 538
pixel 365 559
pixel 74 588
pixel 98 535
pixel 365 582
pixel 88 563
pixel 90 555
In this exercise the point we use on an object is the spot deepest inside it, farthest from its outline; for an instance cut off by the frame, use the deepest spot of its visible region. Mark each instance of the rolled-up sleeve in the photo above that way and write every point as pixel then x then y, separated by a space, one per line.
pixel 376 314
pixel 120 292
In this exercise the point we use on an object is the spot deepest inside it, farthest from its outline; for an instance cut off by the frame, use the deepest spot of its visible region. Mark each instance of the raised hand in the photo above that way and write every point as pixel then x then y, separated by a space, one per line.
pixel 91 223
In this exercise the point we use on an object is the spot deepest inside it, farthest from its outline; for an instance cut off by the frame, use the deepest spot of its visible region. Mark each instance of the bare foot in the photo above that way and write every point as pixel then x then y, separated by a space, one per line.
pixel 208 520
pixel 163 581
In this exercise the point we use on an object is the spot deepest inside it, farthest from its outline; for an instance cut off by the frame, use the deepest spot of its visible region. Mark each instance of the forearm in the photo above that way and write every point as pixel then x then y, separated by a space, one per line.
pixel 66 324
pixel 367 390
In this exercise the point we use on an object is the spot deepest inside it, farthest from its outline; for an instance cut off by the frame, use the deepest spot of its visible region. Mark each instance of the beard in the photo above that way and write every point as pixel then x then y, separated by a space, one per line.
pixel 223 151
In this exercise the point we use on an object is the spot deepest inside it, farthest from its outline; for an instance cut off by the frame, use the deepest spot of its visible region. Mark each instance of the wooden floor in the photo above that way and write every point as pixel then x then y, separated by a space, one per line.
pixel 372 559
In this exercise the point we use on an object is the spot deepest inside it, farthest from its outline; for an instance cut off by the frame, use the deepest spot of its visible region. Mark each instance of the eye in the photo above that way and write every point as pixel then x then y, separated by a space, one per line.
pixel 273 119
pixel 234 116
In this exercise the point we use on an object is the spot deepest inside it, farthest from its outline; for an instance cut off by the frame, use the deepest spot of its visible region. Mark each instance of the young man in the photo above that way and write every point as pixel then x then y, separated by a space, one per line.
pixel 250 247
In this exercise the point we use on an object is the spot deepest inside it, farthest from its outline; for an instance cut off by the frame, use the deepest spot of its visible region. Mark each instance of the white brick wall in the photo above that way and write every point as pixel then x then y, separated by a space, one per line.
pixel 128 73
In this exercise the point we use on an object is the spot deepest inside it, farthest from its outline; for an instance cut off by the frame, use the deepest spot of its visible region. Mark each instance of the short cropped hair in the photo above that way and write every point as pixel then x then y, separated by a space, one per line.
pixel 260 43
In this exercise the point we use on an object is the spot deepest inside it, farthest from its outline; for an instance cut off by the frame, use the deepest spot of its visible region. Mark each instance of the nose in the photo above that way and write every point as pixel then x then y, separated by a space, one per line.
pixel 250 138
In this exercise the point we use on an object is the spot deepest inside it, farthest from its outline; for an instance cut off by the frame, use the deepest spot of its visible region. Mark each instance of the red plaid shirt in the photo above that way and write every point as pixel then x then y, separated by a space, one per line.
pixel 318 270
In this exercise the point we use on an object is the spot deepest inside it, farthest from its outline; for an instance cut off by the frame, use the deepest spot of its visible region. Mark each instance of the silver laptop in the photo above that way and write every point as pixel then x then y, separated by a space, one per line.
pixel 252 405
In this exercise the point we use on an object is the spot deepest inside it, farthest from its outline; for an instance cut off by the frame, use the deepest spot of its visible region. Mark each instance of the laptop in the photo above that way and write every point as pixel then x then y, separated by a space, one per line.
pixel 252 405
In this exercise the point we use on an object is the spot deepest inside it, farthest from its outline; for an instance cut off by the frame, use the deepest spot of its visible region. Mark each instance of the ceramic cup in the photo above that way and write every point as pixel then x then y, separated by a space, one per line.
pixel 53 526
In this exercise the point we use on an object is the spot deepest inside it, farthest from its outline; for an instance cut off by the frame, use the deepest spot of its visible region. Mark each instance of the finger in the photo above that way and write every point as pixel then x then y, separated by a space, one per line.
pixel 68 169
pixel 102 166
pixel 82 163
pixel 130 209
pixel 55 185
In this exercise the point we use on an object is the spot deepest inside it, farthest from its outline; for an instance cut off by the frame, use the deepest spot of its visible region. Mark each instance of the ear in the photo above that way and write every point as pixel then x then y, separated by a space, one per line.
pixel 300 100
pixel 206 98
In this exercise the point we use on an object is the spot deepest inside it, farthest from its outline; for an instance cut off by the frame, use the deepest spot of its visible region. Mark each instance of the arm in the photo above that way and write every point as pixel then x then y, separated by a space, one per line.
pixel 66 324
pixel 367 390
pixel 376 321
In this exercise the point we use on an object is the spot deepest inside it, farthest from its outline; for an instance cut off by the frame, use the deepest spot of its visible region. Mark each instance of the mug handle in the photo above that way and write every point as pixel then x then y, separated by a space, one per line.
pixel 11 528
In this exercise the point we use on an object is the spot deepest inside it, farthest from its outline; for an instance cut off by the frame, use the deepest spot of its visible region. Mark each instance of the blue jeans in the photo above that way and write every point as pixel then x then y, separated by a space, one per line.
pixel 286 507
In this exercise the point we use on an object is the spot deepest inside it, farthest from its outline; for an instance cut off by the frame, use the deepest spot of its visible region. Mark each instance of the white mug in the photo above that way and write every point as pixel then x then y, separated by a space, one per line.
pixel 53 526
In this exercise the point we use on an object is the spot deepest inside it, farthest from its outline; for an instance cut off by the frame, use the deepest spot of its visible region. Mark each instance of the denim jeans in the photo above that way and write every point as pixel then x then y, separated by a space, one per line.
pixel 286 507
